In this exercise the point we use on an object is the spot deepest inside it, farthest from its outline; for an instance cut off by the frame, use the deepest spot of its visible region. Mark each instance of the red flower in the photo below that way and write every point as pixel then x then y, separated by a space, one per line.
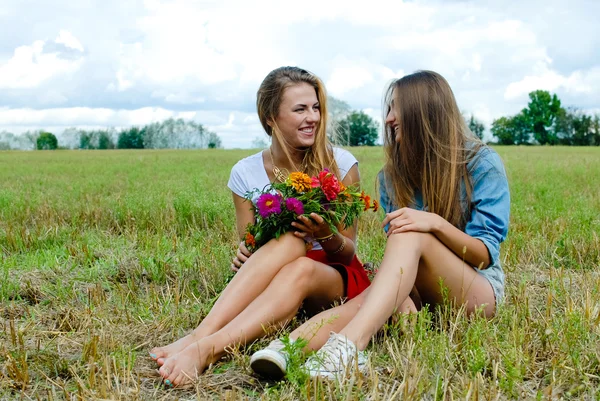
pixel 315 182
pixel 329 184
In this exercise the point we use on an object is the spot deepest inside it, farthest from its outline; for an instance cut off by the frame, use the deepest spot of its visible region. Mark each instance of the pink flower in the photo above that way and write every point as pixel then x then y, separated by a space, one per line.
pixel 294 205
pixel 268 204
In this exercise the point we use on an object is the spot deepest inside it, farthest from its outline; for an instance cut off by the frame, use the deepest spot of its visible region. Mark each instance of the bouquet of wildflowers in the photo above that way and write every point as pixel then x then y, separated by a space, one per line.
pixel 280 204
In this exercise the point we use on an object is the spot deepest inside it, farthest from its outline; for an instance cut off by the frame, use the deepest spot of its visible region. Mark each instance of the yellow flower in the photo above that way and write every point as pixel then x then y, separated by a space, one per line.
pixel 300 181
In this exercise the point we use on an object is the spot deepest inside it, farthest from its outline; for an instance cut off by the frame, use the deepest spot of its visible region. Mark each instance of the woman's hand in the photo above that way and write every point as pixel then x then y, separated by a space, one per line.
pixel 314 227
pixel 407 219
pixel 241 257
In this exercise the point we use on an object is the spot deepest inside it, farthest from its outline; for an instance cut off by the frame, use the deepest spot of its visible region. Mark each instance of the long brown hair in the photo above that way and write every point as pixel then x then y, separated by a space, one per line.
pixel 432 147
pixel 268 100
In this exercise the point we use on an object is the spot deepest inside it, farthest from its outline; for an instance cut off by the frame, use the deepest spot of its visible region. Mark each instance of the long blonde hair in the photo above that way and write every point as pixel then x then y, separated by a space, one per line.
pixel 268 100
pixel 431 149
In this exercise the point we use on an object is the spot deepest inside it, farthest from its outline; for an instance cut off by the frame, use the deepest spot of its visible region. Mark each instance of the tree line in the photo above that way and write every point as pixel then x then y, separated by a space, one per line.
pixel 545 122
pixel 168 134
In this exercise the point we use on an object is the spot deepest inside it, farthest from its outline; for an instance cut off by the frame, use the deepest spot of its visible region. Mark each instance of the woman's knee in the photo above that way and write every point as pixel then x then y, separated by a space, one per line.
pixel 298 273
pixel 422 241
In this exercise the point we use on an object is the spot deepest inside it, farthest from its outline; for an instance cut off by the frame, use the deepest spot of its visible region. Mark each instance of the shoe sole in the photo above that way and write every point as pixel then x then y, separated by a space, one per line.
pixel 268 366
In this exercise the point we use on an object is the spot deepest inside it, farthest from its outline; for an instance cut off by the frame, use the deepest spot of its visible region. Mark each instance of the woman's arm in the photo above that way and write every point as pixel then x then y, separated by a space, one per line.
pixel 341 246
pixel 244 215
pixel 471 249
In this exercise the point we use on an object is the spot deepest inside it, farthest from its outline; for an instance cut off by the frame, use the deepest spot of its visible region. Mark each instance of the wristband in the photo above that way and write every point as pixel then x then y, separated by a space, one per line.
pixel 325 238
pixel 342 246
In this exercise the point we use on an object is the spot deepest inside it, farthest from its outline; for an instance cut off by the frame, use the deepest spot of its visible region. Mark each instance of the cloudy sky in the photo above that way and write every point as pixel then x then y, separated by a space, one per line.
pixel 91 63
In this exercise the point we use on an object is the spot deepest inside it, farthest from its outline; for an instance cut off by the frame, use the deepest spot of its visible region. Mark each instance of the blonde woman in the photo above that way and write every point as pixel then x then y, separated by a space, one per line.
pixel 272 284
pixel 447 202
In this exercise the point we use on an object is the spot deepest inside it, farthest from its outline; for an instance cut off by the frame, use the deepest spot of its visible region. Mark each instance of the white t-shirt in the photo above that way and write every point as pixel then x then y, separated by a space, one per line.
pixel 249 173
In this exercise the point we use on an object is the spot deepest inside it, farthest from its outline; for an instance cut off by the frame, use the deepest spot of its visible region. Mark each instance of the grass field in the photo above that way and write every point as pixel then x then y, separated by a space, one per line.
pixel 105 254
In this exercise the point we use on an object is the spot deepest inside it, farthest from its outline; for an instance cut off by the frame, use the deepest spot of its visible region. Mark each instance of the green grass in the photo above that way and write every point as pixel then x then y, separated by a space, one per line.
pixel 105 254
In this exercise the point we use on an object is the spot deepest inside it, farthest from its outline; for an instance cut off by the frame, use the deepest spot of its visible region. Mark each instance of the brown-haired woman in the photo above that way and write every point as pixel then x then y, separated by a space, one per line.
pixel 274 282
pixel 447 202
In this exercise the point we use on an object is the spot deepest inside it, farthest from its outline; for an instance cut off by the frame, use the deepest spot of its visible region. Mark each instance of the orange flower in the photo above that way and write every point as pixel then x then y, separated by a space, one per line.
pixel 342 187
pixel 249 240
pixel 375 205
pixel 300 181
pixel 367 201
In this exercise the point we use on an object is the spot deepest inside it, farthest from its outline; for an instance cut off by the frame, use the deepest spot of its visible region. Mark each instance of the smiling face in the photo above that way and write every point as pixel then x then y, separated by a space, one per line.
pixel 391 119
pixel 299 115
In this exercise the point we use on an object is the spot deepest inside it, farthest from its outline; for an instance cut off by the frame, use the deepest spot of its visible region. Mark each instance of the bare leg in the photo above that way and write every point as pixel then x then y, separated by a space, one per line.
pixel 316 330
pixel 418 259
pixel 303 279
pixel 251 280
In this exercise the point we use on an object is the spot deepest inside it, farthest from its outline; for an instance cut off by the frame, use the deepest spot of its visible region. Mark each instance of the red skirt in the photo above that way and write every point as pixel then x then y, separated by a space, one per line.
pixel 354 274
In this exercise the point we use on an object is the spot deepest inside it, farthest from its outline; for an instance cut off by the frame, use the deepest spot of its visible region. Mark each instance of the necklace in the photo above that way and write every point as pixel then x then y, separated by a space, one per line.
pixel 281 174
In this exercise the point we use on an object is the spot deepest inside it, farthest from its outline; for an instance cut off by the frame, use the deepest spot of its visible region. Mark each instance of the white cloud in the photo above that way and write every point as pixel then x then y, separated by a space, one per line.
pixel 206 59
pixel 550 80
pixel 66 38
pixel 74 116
pixel 31 65
pixel 344 79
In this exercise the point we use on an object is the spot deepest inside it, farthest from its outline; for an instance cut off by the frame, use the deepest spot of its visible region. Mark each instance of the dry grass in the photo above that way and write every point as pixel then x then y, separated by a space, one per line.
pixel 104 255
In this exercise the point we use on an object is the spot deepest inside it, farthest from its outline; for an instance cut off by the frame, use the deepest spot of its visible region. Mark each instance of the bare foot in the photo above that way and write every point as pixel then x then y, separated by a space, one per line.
pixel 184 367
pixel 160 354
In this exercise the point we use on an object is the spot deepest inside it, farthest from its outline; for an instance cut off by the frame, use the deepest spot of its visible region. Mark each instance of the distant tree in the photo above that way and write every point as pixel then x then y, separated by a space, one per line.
pixel 46 141
pixel 12 141
pixel 6 140
pixel 582 129
pixel 213 140
pixel 476 126
pixel 30 139
pixel 86 140
pixel 178 134
pixel 131 138
pixel 563 127
pixel 521 129
pixel 541 112
pixel 359 129
pixel 259 143
pixel 105 141
pixel 573 127
pixel 70 138
pixel 596 130
pixel 503 131
pixel 337 110
pixel 512 130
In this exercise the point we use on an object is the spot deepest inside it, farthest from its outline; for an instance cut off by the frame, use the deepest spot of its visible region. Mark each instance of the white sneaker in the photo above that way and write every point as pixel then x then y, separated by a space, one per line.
pixel 270 362
pixel 336 358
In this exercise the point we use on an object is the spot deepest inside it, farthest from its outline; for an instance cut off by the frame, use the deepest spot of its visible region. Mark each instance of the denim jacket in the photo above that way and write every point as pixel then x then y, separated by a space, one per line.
pixel 489 209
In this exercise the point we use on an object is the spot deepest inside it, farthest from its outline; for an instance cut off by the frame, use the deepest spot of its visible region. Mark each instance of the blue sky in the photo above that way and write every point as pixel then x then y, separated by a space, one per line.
pixel 95 64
